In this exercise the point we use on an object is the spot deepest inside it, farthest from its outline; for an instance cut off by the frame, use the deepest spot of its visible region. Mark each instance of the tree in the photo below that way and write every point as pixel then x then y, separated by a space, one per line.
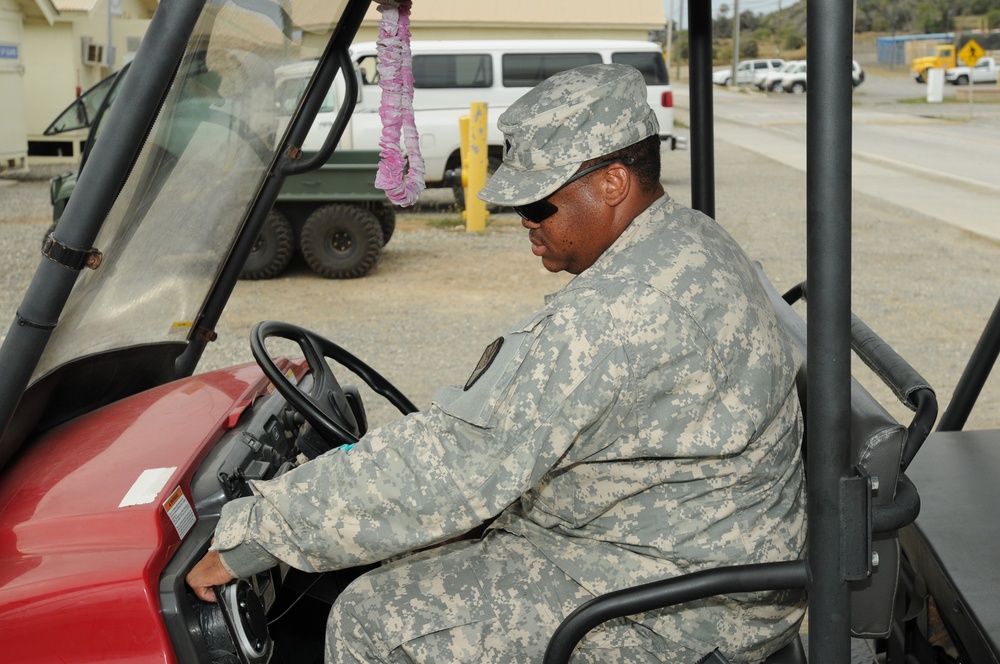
pixel 722 25
pixel 749 21
pixel 937 15
pixel 792 40
pixel 980 7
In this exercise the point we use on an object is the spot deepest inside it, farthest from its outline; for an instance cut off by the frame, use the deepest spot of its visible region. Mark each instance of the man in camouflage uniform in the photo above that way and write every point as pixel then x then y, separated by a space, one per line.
pixel 643 425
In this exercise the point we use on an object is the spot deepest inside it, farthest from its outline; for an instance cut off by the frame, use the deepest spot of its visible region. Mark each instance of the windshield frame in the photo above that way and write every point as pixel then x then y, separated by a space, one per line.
pixel 48 402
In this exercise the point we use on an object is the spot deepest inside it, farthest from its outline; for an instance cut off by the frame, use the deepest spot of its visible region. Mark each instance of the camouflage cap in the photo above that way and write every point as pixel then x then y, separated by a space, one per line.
pixel 573 116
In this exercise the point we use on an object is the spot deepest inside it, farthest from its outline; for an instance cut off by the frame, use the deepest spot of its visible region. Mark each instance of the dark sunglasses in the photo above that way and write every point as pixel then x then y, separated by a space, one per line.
pixel 539 211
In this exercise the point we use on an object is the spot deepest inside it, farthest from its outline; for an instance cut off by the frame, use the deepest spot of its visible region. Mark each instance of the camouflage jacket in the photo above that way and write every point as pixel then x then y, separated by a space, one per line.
pixel 643 424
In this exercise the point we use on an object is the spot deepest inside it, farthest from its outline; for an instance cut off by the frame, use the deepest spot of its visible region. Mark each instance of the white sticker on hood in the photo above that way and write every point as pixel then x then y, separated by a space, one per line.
pixel 147 486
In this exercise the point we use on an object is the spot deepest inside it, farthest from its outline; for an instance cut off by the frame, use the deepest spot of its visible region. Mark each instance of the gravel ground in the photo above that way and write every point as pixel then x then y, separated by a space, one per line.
pixel 439 296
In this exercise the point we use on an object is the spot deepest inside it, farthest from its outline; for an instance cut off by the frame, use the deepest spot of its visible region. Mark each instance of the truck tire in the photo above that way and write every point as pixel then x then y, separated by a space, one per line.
pixel 798 87
pixel 962 80
pixel 386 216
pixel 272 251
pixel 341 241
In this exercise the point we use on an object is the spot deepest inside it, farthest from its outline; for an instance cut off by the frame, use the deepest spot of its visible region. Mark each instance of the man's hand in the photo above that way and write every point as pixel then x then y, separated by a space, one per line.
pixel 207 573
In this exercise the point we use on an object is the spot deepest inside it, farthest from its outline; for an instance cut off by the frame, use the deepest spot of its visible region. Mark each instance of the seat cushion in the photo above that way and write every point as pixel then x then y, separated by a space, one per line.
pixel 954 545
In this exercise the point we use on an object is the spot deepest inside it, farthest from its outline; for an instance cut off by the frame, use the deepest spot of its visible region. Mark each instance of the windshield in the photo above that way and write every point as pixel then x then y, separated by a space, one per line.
pixel 174 222
pixel 82 112
pixel 291 90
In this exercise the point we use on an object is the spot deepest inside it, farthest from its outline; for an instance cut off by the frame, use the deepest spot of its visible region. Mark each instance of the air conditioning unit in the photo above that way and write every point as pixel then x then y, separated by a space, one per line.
pixel 93 54
pixel 96 55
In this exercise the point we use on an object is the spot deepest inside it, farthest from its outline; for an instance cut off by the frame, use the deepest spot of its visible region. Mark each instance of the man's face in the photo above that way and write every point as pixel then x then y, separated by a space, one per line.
pixel 580 230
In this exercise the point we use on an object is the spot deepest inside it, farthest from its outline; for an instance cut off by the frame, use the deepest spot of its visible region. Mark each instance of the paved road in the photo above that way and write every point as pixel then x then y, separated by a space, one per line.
pixel 923 281
pixel 930 158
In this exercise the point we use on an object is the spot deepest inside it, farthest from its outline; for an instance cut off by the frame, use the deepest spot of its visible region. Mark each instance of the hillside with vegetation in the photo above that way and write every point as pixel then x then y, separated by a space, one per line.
pixel 784 32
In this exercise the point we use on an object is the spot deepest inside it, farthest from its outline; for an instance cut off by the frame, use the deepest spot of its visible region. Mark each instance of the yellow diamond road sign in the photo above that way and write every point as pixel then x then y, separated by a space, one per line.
pixel 971 52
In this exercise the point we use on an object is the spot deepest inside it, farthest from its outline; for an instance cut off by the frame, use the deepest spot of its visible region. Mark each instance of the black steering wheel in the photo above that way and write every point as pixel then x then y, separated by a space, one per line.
pixel 325 407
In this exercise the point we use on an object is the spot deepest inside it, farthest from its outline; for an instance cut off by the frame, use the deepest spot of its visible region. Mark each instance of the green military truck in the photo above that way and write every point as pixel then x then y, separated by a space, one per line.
pixel 334 215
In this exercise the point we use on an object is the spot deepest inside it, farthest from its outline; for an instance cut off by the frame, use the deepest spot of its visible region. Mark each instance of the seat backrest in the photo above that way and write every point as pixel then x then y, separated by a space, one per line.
pixel 877 441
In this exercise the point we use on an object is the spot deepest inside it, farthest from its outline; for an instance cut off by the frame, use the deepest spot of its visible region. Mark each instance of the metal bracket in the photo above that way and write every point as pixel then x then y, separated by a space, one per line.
pixel 204 334
pixel 24 322
pixel 856 526
pixel 67 256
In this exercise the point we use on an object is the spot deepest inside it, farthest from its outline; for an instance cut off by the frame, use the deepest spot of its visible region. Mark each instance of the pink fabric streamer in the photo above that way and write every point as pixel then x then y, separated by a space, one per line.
pixel 396 80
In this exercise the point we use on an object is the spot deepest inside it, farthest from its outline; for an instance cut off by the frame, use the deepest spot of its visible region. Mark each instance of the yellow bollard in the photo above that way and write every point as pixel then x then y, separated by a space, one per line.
pixel 463 151
pixel 474 163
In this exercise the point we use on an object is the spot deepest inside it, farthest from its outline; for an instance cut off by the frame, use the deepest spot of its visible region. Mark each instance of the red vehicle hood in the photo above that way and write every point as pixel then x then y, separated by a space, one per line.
pixel 91 512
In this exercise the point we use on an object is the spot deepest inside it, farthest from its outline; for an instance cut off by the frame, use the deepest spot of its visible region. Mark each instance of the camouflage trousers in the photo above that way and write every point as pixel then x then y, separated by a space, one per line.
pixel 495 600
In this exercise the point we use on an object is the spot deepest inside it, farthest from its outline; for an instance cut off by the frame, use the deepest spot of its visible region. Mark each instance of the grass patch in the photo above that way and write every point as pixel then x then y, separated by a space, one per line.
pixel 446 223
pixel 985 99
pixel 453 222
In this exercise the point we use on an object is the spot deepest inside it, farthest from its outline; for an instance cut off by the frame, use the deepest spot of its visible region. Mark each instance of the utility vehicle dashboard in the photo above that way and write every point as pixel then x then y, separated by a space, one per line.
pixel 262 445
pixel 285 426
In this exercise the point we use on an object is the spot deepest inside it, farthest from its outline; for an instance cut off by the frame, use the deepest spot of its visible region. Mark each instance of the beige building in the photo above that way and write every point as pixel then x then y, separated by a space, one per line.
pixel 65 47
pixel 528 19
pixel 13 131
pixel 62 46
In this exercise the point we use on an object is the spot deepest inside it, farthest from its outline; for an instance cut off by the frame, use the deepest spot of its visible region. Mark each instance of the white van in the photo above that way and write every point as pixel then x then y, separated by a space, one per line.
pixel 450 75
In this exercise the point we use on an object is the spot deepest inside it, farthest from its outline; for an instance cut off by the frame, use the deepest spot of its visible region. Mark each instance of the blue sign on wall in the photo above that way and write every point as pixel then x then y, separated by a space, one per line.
pixel 8 52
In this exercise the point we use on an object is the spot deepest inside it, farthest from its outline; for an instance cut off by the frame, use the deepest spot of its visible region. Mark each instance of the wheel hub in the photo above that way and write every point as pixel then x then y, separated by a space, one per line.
pixel 341 242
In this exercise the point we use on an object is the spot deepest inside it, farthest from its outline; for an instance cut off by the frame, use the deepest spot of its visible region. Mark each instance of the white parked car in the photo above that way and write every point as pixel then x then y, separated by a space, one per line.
pixel 746 71
pixel 857 73
pixel 794 80
pixel 770 80
pixel 985 71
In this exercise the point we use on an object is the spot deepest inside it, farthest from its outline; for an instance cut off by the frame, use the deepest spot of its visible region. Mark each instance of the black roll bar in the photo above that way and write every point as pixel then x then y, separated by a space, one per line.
pixel 978 369
pixel 669 592
pixel 906 383
pixel 830 35
pixel 700 87
pixel 158 57
pixel 902 511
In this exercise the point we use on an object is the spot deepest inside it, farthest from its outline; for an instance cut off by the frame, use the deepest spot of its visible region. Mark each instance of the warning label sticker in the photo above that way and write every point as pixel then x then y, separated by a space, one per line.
pixel 179 510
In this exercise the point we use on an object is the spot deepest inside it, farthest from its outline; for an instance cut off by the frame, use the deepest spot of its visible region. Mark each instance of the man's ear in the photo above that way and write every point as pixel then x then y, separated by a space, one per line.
pixel 618 181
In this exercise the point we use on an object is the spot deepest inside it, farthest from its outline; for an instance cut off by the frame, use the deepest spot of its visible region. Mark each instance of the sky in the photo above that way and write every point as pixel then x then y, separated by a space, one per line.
pixel 756 6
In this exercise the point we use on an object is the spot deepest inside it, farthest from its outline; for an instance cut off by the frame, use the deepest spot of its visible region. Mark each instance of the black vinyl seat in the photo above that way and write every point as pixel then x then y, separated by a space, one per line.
pixel 952 551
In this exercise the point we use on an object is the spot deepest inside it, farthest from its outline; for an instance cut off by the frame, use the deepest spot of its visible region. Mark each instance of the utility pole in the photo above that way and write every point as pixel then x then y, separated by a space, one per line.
pixel 670 32
pixel 736 38
pixel 680 26
pixel 108 51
